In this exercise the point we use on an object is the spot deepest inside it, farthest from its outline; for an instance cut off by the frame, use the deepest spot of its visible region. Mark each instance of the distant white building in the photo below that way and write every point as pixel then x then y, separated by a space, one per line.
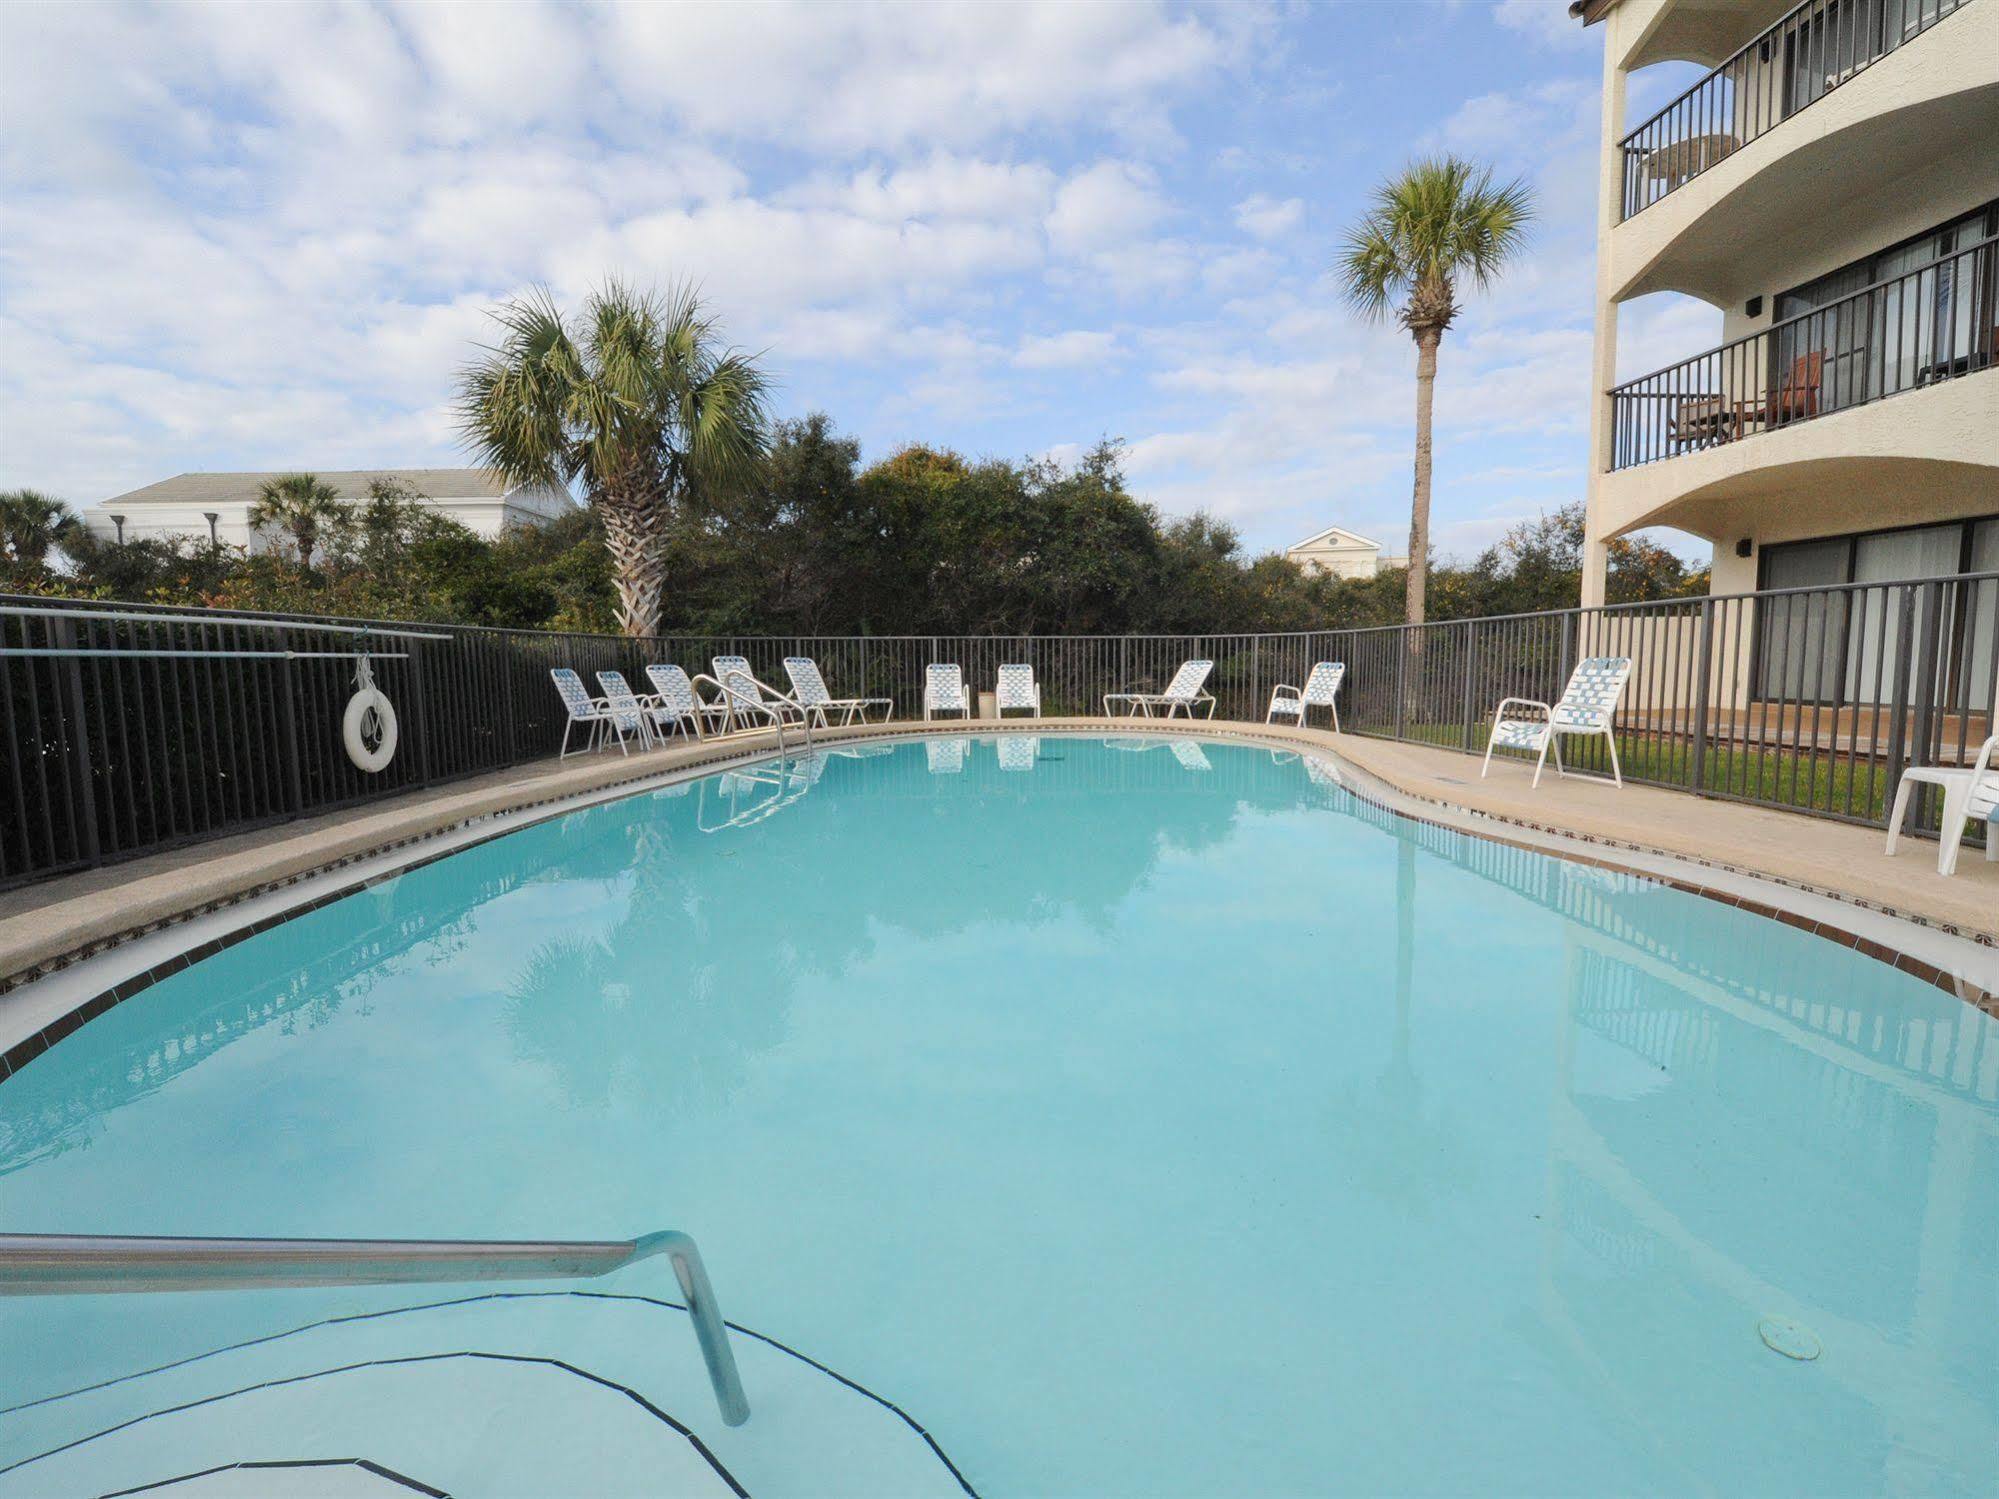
pixel 201 505
pixel 1343 553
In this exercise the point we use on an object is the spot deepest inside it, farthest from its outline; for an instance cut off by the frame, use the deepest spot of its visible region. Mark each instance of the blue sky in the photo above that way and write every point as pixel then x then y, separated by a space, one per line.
pixel 265 236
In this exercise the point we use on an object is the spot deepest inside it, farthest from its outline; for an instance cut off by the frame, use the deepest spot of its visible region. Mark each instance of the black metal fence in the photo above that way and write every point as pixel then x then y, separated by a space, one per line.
pixel 1812 699
pixel 1931 325
pixel 1809 52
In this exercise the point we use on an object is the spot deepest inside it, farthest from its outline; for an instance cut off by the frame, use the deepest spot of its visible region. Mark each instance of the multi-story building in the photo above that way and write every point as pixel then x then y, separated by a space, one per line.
pixel 1343 553
pixel 217 506
pixel 1830 182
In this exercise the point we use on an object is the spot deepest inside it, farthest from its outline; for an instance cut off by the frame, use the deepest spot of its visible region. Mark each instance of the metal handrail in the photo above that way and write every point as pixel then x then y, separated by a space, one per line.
pixel 129 614
pixel 100 1264
pixel 777 719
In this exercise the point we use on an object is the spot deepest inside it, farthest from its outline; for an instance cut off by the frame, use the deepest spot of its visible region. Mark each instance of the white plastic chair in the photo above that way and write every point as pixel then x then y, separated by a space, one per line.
pixel 1016 688
pixel 1321 690
pixel 944 690
pixel 594 711
pixel 1968 796
pixel 748 700
pixel 675 705
pixel 1180 695
pixel 809 687
pixel 625 703
pixel 1588 706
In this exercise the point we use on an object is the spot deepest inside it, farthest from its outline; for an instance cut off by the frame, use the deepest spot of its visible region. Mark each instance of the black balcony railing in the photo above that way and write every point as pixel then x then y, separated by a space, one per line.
pixel 1805 56
pixel 1930 325
pixel 119 739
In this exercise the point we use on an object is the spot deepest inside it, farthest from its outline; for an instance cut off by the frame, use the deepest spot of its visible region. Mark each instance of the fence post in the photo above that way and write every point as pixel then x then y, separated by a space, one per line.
pixel 1471 639
pixel 1923 733
pixel 1898 711
pixel 288 723
pixel 1256 677
pixel 83 807
pixel 1401 674
pixel 1698 768
pixel 419 718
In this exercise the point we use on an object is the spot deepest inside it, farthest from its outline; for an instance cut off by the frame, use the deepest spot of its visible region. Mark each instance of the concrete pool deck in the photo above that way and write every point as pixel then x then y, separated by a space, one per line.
pixel 54 923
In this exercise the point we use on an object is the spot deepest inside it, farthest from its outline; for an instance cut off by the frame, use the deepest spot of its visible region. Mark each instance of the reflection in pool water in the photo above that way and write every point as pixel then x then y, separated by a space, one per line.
pixel 1143 1116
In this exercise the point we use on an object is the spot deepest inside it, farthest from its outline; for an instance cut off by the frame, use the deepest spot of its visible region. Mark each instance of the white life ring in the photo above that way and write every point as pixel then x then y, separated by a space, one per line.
pixel 369 703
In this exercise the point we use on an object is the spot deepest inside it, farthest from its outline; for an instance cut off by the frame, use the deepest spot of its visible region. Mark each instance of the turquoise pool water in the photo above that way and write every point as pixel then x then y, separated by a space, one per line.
pixel 1140 1118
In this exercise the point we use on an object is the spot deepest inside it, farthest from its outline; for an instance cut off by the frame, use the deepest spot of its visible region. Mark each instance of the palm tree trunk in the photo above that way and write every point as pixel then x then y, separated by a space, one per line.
pixel 634 531
pixel 1427 340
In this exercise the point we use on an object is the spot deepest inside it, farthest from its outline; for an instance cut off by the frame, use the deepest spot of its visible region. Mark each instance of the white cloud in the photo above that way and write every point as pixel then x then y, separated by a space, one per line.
pixel 1104 207
pixel 1267 217
pixel 1548 22
pixel 1078 348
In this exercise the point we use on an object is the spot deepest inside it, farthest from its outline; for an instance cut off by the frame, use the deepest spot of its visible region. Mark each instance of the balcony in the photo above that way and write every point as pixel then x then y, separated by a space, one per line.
pixel 1815 49
pixel 1937 323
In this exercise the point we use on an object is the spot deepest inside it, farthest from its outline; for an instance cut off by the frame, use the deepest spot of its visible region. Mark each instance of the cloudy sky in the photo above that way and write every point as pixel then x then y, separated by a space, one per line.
pixel 264 236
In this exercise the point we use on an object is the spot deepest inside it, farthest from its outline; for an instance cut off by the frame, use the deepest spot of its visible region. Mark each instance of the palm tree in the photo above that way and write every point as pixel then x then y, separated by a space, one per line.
pixel 634 400
pixel 32 524
pixel 303 505
pixel 1441 221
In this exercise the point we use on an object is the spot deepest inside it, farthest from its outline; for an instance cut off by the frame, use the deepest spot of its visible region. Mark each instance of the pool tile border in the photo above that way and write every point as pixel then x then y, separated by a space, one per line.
pixel 32 1046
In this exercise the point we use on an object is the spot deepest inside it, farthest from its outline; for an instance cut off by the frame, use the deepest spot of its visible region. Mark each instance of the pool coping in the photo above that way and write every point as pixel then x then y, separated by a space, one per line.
pixel 43 1003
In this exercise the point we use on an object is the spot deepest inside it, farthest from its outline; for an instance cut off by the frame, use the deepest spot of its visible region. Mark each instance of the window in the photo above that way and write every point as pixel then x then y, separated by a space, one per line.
pixel 1847 646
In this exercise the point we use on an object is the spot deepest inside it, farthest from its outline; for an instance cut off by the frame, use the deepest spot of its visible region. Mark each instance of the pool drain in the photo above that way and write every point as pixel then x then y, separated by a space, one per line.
pixel 1781 1335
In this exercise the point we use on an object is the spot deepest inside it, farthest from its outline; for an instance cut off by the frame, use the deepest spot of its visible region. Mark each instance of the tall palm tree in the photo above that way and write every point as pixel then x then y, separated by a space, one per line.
pixel 32 524
pixel 304 506
pixel 1442 221
pixel 634 399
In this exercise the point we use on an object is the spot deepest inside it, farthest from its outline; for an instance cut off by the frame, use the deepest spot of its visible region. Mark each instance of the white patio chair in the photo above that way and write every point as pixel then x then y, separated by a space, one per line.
pixel 944 690
pixel 748 700
pixel 1968 796
pixel 1018 751
pixel 809 687
pixel 1181 694
pixel 1588 706
pixel 622 701
pixel 1016 688
pixel 1321 690
pixel 946 757
pixel 675 704
pixel 594 711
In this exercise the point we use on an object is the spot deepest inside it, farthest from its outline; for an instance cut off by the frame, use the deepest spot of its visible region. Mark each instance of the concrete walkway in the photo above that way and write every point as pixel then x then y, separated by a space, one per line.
pixel 55 919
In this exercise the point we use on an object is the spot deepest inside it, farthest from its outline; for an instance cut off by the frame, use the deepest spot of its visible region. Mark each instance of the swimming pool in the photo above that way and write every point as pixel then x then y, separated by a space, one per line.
pixel 1074 1115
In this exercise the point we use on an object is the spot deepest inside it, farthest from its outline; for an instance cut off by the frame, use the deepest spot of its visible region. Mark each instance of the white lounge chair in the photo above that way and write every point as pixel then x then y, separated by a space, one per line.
pixel 1018 751
pixel 1181 694
pixel 1321 690
pixel 749 701
pixel 809 687
pixel 675 704
pixel 1016 688
pixel 1588 706
pixel 1968 796
pixel 944 690
pixel 622 701
pixel 602 718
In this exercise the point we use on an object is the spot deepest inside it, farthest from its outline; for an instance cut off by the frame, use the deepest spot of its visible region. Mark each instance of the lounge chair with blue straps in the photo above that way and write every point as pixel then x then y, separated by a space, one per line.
pixel 1588 707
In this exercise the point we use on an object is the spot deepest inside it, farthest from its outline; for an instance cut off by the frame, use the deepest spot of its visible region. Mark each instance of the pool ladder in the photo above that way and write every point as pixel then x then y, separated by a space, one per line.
pixel 89 1264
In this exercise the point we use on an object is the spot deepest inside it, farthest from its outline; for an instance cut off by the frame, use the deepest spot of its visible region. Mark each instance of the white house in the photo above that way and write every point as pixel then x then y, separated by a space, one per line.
pixel 218 505
pixel 1343 553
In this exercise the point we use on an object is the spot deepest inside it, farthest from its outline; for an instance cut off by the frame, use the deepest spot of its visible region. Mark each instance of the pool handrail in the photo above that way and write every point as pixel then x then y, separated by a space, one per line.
pixel 91 1264
pixel 771 693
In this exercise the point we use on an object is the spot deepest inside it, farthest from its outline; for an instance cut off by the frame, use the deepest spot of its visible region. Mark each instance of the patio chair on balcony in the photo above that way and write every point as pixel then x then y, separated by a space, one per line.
pixel 1321 690
pixel 604 719
pixel 809 687
pixel 1016 688
pixel 1588 707
pixel 1797 399
pixel 944 690
pixel 1181 694
pixel 674 705
pixel 1968 796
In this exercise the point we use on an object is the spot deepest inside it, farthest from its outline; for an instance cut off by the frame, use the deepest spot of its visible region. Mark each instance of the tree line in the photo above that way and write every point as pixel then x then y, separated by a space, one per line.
pixel 809 540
